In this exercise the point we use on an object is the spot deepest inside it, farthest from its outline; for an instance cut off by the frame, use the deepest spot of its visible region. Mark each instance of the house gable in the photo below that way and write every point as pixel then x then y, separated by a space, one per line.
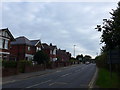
pixel 5 33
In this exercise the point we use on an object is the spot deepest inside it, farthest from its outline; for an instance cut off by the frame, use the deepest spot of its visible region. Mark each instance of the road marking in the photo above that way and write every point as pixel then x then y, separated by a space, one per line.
pixel 61 83
pixel 65 75
pixel 52 84
pixel 38 84
pixel 9 82
pixel 57 83
pixel 58 71
pixel 92 82
pixel 77 70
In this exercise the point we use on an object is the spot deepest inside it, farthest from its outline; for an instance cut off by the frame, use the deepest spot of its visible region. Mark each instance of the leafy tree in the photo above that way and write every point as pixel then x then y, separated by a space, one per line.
pixel 79 56
pixel 87 57
pixel 41 57
pixel 72 58
pixel 111 30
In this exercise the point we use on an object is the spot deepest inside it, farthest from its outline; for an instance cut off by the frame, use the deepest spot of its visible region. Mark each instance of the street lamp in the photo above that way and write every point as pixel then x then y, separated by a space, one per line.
pixel 74 51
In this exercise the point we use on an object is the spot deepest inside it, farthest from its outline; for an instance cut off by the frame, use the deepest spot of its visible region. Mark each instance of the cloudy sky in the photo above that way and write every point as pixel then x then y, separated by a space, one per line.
pixel 62 23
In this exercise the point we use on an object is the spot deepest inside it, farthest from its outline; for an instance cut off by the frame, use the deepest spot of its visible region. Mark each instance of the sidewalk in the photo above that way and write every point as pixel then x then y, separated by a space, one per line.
pixel 22 76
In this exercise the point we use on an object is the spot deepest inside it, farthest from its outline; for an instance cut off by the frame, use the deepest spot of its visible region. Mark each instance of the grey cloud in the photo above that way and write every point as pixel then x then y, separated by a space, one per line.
pixel 63 24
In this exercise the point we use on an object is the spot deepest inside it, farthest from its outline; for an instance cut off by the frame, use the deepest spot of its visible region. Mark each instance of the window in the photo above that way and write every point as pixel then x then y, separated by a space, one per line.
pixel 3 43
pixel 50 51
pixel 38 49
pixel 0 33
pixel 0 42
pixel 3 33
pixel 54 52
pixel 28 48
pixel 6 44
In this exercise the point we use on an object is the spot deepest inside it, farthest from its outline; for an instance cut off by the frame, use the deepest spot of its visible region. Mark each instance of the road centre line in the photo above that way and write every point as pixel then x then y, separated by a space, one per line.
pixel 38 84
pixel 65 75
pixel 52 84
pixel 58 71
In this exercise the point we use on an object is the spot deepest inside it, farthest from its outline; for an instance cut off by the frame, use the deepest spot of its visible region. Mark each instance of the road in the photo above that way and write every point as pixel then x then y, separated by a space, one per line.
pixel 78 76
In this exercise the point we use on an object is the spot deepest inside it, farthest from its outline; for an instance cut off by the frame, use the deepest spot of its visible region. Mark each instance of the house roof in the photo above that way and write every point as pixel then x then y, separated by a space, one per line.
pixel 46 46
pixel 21 40
pixel 24 40
pixel 9 33
pixel 34 42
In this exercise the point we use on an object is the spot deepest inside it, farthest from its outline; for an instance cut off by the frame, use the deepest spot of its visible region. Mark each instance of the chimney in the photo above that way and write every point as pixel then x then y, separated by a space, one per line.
pixel 50 44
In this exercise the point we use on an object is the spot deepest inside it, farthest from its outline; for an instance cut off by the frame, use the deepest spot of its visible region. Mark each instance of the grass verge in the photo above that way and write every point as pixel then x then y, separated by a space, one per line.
pixel 105 81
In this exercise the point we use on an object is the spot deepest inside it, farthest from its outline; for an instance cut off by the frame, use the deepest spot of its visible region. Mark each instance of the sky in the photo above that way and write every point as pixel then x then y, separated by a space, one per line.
pixel 64 24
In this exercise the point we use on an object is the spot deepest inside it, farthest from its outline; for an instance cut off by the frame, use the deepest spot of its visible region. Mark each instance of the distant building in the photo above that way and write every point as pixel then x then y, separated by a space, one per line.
pixel 24 49
pixel 62 55
pixel 50 50
pixel 5 38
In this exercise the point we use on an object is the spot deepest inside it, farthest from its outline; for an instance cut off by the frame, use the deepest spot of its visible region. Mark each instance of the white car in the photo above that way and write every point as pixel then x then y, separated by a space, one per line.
pixel 87 62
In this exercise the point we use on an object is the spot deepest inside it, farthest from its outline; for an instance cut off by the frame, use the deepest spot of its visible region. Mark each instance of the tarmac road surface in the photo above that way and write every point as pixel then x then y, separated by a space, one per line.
pixel 78 76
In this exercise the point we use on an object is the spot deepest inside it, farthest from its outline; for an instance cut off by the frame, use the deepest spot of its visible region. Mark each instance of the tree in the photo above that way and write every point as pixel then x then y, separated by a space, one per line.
pixel 41 57
pixel 87 57
pixel 111 30
pixel 79 57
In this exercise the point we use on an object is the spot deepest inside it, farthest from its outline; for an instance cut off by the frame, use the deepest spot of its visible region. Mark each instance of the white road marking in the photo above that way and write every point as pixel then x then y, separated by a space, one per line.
pixel 9 82
pixel 58 71
pixel 52 84
pixel 57 83
pixel 65 75
pixel 77 70
pixel 38 84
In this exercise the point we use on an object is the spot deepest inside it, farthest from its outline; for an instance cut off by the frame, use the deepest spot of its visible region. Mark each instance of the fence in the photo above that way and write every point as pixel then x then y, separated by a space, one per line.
pixel 35 68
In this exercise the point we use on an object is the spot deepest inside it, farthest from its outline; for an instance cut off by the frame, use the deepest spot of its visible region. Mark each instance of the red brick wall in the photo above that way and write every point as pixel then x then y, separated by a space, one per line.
pixel 18 51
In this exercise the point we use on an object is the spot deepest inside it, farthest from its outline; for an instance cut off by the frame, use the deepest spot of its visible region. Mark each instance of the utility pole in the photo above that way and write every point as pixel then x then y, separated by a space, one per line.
pixel 74 51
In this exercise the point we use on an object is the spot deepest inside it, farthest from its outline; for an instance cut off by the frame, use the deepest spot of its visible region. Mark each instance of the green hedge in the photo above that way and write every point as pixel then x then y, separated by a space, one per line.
pixel 9 64
pixel 16 64
pixel 22 64
pixel 101 61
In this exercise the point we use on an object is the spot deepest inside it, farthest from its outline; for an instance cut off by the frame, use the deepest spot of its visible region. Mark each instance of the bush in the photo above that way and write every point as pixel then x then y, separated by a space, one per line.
pixel 41 57
pixel 101 61
pixel 22 64
pixel 9 64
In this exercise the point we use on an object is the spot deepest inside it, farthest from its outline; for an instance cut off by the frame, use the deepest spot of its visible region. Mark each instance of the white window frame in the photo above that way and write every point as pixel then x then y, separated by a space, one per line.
pixel 51 52
pixel 0 33
pixel 1 44
pixel 6 44
pixel 29 48
pixel 54 52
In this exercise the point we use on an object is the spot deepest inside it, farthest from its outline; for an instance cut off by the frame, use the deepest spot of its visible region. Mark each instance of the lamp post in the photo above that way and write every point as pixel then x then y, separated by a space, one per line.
pixel 74 51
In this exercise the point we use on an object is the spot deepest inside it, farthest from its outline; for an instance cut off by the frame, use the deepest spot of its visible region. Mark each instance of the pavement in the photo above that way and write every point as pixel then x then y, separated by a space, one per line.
pixel 24 76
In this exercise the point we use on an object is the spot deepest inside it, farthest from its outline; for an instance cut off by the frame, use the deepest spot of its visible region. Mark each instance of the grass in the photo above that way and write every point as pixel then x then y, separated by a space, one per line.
pixel 105 81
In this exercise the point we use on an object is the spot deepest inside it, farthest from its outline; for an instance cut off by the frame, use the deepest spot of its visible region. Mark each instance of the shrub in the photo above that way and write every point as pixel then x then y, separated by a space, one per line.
pixel 101 61
pixel 9 64
pixel 41 57
pixel 22 64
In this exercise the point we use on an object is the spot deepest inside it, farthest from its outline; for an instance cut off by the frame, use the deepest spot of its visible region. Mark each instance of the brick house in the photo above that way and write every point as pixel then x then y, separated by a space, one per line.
pixel 62 55
pixel 24 49
pixel 50 50
pixel 5 38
